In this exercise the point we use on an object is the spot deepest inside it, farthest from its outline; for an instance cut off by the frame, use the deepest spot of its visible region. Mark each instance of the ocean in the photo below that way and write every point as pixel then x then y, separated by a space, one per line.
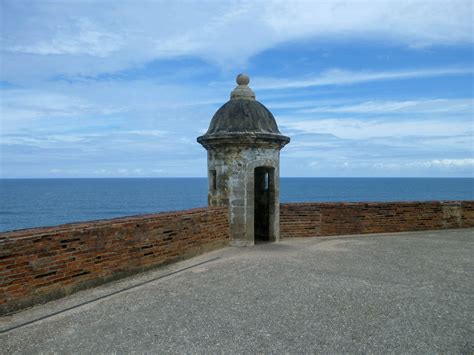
pixel 26 203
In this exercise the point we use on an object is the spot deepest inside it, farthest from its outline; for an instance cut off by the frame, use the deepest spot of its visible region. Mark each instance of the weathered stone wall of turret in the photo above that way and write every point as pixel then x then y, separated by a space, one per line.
pixel 231 173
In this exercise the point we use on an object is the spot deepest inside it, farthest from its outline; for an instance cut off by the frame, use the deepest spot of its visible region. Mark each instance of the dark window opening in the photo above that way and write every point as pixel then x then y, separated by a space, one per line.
pixel 263 203
pixel 213 179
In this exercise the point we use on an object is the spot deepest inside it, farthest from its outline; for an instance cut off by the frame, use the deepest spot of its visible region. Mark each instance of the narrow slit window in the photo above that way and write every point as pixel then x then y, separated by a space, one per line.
pixel 266 181
pixel 213 182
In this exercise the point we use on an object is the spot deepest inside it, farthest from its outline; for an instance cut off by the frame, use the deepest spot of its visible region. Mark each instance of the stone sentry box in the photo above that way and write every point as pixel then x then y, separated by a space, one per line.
pixel 243 146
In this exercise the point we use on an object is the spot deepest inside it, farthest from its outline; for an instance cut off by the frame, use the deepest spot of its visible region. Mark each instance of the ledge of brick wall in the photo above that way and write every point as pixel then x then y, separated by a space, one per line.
pixel 325 219
pixel 41 264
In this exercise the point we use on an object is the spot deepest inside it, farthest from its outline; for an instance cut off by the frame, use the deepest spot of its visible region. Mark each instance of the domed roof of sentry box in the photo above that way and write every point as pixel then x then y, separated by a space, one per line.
pixel 243 117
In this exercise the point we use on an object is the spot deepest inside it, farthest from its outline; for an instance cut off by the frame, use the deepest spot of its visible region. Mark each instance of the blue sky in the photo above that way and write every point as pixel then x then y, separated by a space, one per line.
pixel 123 88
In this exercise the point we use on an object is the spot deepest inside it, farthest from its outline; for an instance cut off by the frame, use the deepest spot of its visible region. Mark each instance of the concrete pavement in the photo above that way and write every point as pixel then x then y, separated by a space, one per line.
pixel 402 293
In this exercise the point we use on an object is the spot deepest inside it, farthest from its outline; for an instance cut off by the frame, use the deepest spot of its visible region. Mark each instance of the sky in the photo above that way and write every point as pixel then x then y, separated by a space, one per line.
pixel 123 88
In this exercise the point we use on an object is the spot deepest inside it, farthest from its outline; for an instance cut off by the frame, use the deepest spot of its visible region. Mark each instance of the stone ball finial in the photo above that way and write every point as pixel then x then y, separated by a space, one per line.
pixel 242 79
pixel 242 91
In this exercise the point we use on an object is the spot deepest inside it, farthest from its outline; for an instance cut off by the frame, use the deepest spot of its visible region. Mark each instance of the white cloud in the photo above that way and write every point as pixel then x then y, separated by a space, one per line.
pixel 142 107
pixel 85 38
pixel 450 165
pixel 444 163
pixel 153 133
pixel 407 106
pixel 17 105
pixel 49 38
pixel 415 22
pixel 351 128
pixel 346 77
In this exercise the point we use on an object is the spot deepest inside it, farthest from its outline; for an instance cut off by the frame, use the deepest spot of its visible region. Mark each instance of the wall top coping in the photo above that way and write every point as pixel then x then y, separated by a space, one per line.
pixel 102 223
pixel 375 203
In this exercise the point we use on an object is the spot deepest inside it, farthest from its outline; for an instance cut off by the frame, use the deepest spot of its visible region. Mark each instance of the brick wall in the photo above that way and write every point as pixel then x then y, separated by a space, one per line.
pixel 41 264
pixel 323 219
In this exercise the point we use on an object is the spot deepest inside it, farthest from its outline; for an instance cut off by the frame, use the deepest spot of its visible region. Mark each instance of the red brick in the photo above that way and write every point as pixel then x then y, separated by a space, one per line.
pixel 42 260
